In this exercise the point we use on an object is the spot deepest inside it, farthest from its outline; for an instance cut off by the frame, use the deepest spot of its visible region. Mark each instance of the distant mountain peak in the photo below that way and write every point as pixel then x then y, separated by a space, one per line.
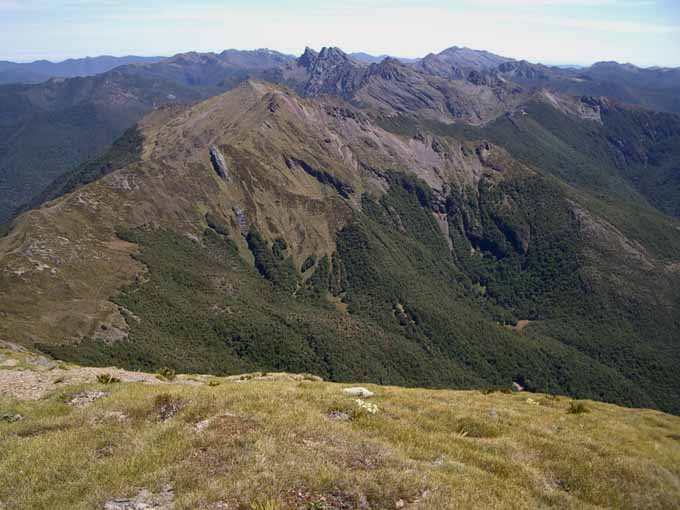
pixel 308 58
pixel 457 62
pixel 335 54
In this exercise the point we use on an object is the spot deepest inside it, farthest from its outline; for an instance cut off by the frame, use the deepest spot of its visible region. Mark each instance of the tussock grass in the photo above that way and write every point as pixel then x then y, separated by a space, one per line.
pixel 269 444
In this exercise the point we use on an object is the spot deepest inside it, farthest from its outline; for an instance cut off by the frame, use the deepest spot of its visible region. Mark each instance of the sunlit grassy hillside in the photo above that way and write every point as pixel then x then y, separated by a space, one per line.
pixel 268 442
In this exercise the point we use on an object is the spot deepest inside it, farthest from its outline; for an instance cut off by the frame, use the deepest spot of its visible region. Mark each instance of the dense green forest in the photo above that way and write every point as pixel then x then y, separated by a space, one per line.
pixel 202 308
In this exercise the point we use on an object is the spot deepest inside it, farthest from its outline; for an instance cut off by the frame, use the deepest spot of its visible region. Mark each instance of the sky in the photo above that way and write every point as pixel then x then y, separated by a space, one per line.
pixel 642 32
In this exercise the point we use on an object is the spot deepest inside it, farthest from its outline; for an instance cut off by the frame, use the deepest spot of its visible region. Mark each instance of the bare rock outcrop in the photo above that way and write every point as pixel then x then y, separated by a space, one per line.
pixel 219 164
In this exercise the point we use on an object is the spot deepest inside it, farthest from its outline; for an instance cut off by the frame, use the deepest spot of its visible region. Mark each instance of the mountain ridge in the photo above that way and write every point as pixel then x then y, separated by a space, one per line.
pixel 42 70
pixel 314 183
pixel 477 95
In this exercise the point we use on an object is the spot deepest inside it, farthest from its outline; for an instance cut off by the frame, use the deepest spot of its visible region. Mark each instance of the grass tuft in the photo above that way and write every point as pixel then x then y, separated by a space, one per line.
pixel 166 374
pixel 577 408
pixel 107 379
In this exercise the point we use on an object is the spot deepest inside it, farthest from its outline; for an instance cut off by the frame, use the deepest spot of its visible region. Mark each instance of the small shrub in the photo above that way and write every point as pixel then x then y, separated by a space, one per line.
pixel 495 389
pixel 469 427
pixel 167 405
pixel 577 408
pixel 216 224
pixel 107 379
pixel 278 248
pixel 213 383
pixel 166 374
pixel 10 418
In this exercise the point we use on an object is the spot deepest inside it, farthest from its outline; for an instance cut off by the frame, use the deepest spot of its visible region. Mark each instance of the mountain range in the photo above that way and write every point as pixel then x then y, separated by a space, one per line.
pixel 51 127
pixel 42 70
pixel 465 220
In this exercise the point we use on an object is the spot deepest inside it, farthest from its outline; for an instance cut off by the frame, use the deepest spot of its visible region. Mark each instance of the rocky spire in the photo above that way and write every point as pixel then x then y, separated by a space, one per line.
pixel 308 58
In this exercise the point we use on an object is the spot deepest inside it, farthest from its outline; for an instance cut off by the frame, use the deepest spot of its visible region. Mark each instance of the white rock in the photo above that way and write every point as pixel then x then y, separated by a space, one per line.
pixel 358 391
pixel 86 397
pixel 202 425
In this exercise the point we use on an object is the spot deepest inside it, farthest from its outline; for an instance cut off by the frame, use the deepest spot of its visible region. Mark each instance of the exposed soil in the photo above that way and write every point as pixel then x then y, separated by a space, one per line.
pixel 34 385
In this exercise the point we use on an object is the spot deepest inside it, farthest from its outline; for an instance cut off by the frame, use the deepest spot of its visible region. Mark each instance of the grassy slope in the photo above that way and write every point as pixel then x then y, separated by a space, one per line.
pixel 270 445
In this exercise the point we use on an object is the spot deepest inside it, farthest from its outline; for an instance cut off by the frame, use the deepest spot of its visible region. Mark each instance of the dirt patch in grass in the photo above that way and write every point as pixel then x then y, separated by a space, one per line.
pixel 35 385
pixel 84 398
pixel 521 324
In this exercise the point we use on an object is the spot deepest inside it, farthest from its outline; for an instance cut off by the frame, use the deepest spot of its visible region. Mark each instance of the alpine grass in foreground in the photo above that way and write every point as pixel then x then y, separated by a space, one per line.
pixel 279 442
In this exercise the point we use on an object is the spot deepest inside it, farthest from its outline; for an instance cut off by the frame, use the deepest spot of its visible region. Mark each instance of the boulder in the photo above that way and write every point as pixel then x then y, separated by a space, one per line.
pixel 358 391
pixel 145 500
pixel 86 397
pixel 241 219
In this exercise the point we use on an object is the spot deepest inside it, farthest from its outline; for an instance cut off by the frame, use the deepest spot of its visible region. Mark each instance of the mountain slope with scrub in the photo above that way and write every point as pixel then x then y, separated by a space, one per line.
pixel 262 230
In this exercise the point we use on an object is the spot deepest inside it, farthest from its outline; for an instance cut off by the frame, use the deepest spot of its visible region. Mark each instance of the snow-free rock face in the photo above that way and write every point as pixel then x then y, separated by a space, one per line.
pixel 219 164
pixel 457 63
pixel 332 71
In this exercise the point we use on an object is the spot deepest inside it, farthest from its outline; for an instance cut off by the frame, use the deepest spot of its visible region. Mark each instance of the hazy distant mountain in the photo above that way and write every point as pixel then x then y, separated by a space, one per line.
pixel 228 68
pixel 372 59
pixel 653 87
pixel 41 70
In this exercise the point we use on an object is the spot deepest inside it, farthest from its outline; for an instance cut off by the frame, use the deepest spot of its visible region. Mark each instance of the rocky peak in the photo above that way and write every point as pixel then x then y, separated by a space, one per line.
pixel 613 66
pixel 335 55
pixel 389 69
pixel 457 62
pixel 308 58
pixel 332 72
pixel 523 69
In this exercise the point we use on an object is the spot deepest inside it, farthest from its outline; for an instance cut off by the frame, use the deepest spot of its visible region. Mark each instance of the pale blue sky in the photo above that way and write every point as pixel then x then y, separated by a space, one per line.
pixel 644 32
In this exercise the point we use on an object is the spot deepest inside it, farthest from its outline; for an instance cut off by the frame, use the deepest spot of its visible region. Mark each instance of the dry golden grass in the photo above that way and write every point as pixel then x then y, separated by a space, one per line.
pixel 269 442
